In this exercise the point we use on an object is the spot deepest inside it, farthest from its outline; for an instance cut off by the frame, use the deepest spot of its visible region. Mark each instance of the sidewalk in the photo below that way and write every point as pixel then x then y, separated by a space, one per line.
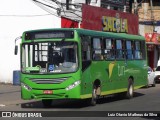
pixel 10 95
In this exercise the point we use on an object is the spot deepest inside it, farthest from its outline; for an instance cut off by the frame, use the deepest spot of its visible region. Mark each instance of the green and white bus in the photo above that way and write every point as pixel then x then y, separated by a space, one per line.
pixel 69 63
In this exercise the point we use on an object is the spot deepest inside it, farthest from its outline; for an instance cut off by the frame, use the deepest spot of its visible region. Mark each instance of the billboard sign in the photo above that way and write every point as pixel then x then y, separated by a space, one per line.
pixel 152 38
pixel 114 24
pixel 102 19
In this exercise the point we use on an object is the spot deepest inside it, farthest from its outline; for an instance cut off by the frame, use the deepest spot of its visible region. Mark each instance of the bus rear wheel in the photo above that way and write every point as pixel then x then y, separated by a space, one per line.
pixel 47 103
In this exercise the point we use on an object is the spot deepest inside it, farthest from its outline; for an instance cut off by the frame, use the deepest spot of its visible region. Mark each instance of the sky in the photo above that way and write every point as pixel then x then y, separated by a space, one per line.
pixel 19 7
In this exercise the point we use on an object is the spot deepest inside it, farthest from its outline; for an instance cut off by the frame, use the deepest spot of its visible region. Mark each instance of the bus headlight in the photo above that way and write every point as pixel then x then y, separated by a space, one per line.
pixel 73 85
pixel 26 87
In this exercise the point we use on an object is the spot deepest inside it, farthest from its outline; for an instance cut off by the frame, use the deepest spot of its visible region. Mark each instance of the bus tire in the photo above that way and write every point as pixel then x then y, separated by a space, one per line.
pixel 47 103
pixel 93 100
pixel 130 89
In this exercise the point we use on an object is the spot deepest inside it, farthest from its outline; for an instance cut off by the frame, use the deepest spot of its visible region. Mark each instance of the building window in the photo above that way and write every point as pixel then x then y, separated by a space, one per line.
pixel 143 49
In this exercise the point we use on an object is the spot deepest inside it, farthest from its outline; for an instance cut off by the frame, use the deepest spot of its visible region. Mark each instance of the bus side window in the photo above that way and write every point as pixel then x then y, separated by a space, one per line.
pixel 86 48
pixel 138 53
pixel 129 52
pixel 119 49
pixel 97 49
pixel 109 50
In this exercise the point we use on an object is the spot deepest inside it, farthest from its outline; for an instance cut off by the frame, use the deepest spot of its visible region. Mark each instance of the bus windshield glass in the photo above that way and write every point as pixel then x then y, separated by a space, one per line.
pixel 49 57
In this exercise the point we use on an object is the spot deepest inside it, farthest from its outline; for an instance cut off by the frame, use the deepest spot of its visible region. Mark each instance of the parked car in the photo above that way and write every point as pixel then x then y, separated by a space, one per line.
pixel 157 74
pixel 151 77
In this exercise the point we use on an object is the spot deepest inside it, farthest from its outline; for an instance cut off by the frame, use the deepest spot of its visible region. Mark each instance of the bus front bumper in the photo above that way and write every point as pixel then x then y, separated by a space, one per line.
pixel 28 93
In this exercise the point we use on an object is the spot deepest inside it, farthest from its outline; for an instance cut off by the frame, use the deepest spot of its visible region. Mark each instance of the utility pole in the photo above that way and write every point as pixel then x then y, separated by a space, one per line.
pixel 67 4
pixel 152 16
pixel 135 7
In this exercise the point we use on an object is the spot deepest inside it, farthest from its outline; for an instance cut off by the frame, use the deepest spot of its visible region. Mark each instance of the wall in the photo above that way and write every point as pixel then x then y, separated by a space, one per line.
pixel 17 16
pixel 149 27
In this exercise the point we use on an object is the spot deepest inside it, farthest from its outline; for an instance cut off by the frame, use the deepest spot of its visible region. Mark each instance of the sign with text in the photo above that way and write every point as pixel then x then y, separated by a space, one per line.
pixel 40 114
pixel 114 24
pixel 152 38
pixel 102 19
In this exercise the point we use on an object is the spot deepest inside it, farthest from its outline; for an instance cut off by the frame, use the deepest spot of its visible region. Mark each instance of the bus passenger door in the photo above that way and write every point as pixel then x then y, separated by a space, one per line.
pixel 86 65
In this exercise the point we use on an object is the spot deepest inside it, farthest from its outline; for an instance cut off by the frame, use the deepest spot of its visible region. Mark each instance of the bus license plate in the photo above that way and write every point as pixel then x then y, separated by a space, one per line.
pixel 48 92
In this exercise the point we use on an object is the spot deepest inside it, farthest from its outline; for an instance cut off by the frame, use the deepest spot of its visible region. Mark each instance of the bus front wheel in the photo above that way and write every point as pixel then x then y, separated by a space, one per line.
pixel 94 97
pixel 47 103
pixel 130 89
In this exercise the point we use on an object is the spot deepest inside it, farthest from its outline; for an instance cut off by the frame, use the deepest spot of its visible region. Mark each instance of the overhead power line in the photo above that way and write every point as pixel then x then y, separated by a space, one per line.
pixel 25 15
pixel 59 8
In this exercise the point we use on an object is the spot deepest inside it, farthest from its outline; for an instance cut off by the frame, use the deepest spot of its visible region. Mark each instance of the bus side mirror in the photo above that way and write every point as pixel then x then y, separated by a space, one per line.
pixel 16 50
pixel 16 46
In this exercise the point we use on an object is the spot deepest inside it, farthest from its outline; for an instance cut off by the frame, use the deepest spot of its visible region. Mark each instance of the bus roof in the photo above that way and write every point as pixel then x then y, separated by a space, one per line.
pixel 96 33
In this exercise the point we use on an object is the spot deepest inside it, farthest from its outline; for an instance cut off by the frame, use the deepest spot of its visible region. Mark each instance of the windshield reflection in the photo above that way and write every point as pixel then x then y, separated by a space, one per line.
pixel 50 57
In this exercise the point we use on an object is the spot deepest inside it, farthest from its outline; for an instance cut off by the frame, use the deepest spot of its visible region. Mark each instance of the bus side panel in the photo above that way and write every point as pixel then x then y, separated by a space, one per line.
pixel 117 76
pixel 100 72
pixel 86 83
pixel 137 69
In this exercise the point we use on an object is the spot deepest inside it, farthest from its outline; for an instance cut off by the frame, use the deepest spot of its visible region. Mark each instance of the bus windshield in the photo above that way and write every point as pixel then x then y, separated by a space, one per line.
pixel 49 57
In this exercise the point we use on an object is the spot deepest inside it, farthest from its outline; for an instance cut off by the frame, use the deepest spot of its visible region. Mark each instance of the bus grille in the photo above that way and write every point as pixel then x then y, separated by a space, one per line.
pixel 48 81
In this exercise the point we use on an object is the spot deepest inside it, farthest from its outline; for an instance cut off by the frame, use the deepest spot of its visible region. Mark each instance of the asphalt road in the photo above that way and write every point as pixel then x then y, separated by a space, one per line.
pixel 145 99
